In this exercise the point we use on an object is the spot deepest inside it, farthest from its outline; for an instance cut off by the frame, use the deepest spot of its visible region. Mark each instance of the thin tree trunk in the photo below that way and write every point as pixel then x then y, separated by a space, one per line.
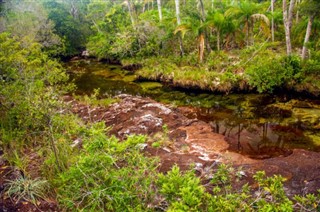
pixel 143 7
pixel 181 46
pixel 177 2
pixel 131 14
pixel 201 47
pixel 53 146
pixel 218 40
pixel 290 14
pixel 159 10
pixel 297 14
pixel 306 39
pixel 287 21
pixel 205 32
pixel 247 32
pixel 272 21
pixel 202 10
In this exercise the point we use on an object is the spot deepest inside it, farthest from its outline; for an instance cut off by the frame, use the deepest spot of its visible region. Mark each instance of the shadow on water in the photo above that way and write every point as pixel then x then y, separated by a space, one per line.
pixel 260 126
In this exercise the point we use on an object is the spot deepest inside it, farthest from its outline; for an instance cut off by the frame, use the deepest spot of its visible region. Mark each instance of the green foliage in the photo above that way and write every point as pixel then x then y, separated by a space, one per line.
pixel 30 87
pixel 26 189
pixel 72 27
pixel 267 75
pixel 310 202
pixel 183 192
pixel 108 175
pixel 16 159
pixel 28 21
pixel 271 195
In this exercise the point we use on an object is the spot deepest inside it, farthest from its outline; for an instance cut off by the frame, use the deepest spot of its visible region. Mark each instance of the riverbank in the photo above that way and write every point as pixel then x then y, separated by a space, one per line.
pixel 235 72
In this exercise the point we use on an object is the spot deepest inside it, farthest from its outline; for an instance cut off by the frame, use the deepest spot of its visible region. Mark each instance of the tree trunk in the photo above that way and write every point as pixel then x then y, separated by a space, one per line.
pixel 181 46
pixel 306 39
pixel 272 21
pixel 177 2
pixel 131 14
pixel 203 19
pixel 201 47
pixel 202 10
pixel 218 40
pixel 287 22
pixel 159 10
pixel 290 14
pixel 297 15
pixel 247 32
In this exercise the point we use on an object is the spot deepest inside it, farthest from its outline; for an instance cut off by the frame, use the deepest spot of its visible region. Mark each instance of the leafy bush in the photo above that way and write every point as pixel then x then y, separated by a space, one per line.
pixel 271 73
pixel 271 195
pixel 183 192
pixel 108 175
pixel 30 84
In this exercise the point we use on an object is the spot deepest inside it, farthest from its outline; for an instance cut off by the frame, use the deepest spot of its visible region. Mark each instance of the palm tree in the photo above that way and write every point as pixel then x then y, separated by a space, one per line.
pixel 246 13
pixel 193 24
pixel 216 21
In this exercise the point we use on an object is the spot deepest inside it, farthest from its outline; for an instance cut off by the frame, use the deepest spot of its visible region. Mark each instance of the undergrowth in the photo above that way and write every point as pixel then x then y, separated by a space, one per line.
pixel 109 175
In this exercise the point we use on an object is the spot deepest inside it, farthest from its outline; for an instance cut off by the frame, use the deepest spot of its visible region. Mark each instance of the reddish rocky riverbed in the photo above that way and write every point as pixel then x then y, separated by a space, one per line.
pixel 188 141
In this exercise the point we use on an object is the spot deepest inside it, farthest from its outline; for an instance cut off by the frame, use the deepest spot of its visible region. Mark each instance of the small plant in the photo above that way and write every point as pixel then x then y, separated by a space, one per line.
pixel 271 195
pixel 20 162
pixel 183 192
pixel 24 188
pixel 97 99
pixel 310 202
pixel 161 139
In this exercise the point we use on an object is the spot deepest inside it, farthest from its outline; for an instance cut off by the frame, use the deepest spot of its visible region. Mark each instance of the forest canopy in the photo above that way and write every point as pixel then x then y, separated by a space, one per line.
pixel 229 42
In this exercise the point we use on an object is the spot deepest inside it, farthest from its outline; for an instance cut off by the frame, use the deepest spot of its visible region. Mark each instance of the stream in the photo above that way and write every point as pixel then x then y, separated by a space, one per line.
pixel 258 125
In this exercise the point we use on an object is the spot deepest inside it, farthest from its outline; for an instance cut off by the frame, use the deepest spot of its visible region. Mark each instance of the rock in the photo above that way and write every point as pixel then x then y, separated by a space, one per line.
pixel 77 143
pixel 85 53
pixel 194 142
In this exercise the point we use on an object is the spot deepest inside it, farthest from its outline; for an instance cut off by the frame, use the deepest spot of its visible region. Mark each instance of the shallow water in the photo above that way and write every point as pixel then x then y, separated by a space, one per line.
pixel 260 126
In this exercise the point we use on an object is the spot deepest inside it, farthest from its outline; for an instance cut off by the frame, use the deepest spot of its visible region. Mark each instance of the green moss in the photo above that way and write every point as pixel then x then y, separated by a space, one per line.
pixel 150 85
pixel 315 139
pixel 129 78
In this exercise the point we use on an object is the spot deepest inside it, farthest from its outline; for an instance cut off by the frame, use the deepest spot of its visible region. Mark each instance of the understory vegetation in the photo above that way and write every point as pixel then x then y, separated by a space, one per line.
pixel 217 45
pixel 85 169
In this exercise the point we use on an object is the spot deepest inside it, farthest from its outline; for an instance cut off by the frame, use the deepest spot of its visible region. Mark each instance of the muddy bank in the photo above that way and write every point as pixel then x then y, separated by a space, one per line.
pixel 176 139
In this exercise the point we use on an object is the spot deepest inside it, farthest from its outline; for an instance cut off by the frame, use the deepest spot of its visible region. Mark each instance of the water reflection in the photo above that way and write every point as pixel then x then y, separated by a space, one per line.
pixel 255 137
pixel 260 126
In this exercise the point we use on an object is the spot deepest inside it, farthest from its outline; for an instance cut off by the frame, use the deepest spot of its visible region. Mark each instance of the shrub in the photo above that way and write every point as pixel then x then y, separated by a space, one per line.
pixel 269 74
pixel 183 192
pixel 108 175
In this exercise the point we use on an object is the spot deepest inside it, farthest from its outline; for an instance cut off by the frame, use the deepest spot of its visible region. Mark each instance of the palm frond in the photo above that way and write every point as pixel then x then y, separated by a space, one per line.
pixel 261 17
pixel 183 29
